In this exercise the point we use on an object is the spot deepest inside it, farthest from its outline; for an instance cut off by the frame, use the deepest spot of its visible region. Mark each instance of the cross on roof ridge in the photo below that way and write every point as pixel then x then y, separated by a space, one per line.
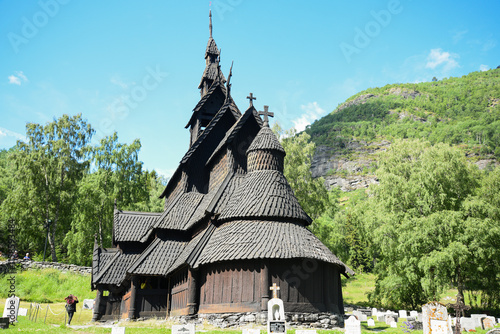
pixel 275 289
pixel 251 98
pixel 266 113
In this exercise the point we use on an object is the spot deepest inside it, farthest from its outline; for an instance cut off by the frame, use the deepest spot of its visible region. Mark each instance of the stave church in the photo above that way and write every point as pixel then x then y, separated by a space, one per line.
pixel 230 229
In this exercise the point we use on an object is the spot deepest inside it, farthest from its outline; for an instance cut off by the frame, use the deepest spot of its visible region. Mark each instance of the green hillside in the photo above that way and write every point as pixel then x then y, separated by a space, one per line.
pixel 459 111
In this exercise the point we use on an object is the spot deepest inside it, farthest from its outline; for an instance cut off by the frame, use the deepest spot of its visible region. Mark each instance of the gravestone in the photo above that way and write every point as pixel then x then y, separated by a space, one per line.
pixel 352 326
pixel 393 324
pixel 251 331
pixel 374 312
pixel 414 314
pixel 11 308
pixel 371 323
pixel 389 319
pixel 4 323
pixel 487 323
pixel 403 314
pixel 183 329
pixel 22 312
pixel 88 304
pixel 467 323
pixel 435 319
pixel 117 330
pixel 360 315
pixel 493 331
pixel 381 317
pixel 275 313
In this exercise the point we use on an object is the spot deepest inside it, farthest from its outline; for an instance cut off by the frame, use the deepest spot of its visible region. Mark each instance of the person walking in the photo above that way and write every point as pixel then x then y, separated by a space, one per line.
pixel 71 302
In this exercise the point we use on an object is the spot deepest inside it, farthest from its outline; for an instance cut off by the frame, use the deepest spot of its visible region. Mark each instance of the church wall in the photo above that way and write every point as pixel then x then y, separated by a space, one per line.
pixel 219 170
pixel 179 293
pixel 264 160
pixel 230 287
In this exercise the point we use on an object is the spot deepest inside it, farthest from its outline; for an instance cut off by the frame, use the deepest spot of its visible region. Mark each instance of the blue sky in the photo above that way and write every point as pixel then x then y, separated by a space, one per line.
pixel 134 66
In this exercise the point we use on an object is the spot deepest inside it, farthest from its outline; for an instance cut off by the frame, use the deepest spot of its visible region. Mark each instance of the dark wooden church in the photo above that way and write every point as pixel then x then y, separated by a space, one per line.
pixel 231 227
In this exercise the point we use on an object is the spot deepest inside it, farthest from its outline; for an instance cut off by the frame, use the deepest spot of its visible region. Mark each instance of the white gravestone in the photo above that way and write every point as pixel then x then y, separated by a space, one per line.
pixel 435 319
pixel 275 313
pixel 467 323
pixel 487 323
pixel 117 330
pixel 403 314
pixel 183 329
pixel 414 314
pixel 371 323
pixel 394 324
pixel 352 326
pixel 88 304
pixel 23 312
pixel 251 331
pixel 11 309
pixel 374 312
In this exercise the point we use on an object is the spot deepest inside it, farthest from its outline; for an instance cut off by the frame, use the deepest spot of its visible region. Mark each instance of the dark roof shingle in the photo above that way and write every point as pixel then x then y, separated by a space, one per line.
pixel 157 258
pixel 266 140
pixel 132 225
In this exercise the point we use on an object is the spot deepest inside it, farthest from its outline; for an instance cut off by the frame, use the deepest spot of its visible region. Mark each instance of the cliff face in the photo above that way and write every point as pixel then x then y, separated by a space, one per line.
pixel 463 112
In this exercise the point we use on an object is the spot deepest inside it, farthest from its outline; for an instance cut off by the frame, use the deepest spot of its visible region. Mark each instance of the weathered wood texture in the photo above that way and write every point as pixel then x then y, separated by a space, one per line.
pixel 179 293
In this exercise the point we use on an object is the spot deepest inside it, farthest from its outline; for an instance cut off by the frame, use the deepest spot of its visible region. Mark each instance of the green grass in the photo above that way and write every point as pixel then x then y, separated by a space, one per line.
pixel 355 289
pixel 47 286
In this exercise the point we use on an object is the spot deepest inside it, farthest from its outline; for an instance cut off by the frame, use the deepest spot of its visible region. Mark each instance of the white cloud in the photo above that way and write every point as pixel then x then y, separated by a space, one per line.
pixel 18 78
pixel 312 111
pixel 439 57
pixel 7 133
pixel 484 68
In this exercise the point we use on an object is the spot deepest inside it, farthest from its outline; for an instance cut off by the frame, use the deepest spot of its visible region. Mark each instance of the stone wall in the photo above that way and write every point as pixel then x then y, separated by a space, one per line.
pixel 296 320
pixel 63 267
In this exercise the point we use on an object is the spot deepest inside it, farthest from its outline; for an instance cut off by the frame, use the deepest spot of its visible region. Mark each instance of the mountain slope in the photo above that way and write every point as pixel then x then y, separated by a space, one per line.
pixel 460 111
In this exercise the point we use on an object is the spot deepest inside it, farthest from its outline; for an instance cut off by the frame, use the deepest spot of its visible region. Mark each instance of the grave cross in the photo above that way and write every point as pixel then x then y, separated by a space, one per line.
pixel 459 308
pixel 266 113
pixel 251 98
pixel 275 289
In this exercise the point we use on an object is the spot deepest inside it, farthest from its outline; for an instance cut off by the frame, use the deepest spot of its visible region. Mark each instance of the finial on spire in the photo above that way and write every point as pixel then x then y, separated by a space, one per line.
pixel 251 98
pixel 228 83
pixel 210 25
pixel 266 113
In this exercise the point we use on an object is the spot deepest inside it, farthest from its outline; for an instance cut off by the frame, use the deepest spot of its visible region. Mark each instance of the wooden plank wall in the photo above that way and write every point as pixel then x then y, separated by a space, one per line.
pixel 179 290
pixel 232 287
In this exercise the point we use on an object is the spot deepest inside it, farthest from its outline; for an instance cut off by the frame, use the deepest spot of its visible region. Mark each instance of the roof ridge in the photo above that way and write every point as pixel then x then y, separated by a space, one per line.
pixel 106 267
pixel 144 254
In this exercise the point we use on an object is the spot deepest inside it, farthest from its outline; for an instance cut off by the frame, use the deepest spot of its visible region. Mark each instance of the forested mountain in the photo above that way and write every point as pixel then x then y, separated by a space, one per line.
pixel 458 111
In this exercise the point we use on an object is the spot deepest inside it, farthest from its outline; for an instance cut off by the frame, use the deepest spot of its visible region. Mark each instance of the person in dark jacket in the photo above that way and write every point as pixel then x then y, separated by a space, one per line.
pixel 71 302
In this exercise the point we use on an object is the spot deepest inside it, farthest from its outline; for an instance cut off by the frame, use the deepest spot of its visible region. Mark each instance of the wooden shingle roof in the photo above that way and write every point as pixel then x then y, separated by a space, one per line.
pixel 116 269
pixel 157 258
pixel 266 140
pixel 211 48
pixel 264 194
pixel 255 239
pixel 178 214
pixel 132 225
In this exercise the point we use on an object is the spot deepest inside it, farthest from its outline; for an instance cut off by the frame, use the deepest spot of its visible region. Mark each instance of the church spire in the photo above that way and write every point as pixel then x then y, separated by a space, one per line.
pixel 210 25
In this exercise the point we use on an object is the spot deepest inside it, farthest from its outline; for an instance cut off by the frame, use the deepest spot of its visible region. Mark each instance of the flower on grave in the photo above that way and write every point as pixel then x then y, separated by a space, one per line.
pixel 407 327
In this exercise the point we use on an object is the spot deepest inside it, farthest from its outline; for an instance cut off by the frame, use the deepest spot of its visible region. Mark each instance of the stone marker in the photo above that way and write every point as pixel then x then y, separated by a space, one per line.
pixel 23 312
pixel 371 323
pixel 487 323
pixel 361 316
pixel 467 323
pixel 493 331
pixel 88 304
pixel 389 319
pixel 275 313
pixel 254 331
pixel 403 314
pixel 394 324
pixel 477 319
pixel 374 312
pixel 11 308
pixel 381 317
pixel 305 331
pixel 117 330
pixel 435 319
pixel 4 323
pixel 414 314
pixel 352 326
pixel 183 329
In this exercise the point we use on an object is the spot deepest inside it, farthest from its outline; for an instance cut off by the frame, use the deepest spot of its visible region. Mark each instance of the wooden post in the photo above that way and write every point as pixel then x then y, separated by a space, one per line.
pixel 133 291
pixel 97 304
pixel 264 286
pixel 192 302
pixel 169 296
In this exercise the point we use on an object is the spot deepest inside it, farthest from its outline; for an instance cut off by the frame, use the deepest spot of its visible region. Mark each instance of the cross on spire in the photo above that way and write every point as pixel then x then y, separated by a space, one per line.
pixel 275 289
pixel 266 113
pixel 251 98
